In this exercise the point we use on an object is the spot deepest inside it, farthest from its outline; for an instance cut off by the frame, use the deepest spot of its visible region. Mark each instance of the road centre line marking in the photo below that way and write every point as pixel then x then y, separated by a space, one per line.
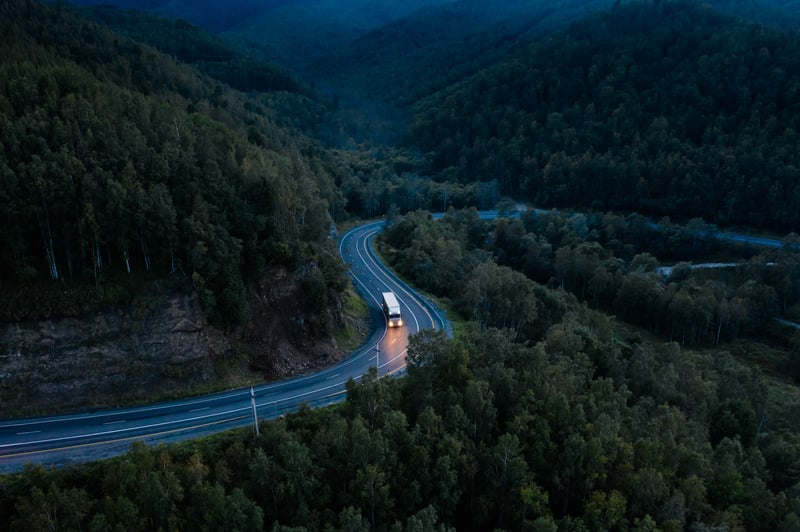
pixel 127 429
pixel 399 288
pixel 127 438
pixel 365 244
pixel 164 423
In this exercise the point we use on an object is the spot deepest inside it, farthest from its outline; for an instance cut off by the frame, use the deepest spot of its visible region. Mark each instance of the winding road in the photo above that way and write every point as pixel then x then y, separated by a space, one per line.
pixel 81 437
pixel 67 439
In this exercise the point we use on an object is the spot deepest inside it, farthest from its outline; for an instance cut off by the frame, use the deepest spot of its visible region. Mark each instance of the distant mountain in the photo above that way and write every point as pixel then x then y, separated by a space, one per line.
pixel 214 15
pixel 288 32
pixel 439 45
pixel 669 108
pixel 192 44
pixel 411 36
pixel 783 14
pixel 115 158
pixel 298 33
pixel 434 47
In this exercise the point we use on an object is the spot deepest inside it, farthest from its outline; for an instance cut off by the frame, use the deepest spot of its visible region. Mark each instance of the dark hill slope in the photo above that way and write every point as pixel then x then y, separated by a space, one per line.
pixel 434 47
pixel 116 158
pixel 191 44
pixel 784 14
pixel 215 15
pixel 296 33
pixel 671 109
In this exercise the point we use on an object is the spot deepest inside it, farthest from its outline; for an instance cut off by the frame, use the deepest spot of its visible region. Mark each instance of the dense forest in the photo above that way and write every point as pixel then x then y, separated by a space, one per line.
pixel 491 272
pixel 666 108
pixel 541 415
pixel 117 159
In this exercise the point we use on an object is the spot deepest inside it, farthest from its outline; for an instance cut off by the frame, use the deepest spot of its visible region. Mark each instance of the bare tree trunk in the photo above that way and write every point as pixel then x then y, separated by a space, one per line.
pixel 98 256
pixel 145 255
pixel 47 237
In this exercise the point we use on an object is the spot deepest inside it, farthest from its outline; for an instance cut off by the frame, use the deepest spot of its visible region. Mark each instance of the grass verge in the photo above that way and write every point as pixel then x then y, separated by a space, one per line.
pixel 356 322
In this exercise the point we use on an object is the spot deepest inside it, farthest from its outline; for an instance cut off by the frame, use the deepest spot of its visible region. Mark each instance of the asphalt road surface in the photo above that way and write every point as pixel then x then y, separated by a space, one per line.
pixel 65 439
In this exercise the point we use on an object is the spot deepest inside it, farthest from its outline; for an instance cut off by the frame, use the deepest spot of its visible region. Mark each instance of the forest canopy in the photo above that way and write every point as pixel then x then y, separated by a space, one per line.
pixel 115 158
pixel 667 108
pixel 541 415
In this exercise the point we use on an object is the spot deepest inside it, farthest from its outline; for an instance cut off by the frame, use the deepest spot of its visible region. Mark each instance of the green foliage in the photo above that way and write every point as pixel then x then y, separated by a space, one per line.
pixel 668 108
pixel 734 419
pixel 118 159
pixel 483 433
pixel 447 256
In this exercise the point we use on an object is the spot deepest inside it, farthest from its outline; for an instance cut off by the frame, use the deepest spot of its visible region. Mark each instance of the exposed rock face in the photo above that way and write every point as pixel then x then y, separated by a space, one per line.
pixel 159 346
pixel 277 334
pixel 107 358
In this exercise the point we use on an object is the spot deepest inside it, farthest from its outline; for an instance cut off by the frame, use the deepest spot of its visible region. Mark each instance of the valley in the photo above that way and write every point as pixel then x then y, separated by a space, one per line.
pixel 174 194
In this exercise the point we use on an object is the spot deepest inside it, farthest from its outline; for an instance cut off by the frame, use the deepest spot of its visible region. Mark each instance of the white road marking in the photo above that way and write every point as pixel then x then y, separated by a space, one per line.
pixel 28 432
pixel 114 422
pixel 199 409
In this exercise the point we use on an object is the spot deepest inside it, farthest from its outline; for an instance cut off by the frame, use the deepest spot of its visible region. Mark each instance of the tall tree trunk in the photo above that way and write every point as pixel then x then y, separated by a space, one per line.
pixel 98 257
pixel 47 237
pixel 145 255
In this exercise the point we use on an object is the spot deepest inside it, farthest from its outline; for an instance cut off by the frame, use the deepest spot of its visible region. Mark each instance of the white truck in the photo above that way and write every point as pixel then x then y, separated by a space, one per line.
pixel 391 308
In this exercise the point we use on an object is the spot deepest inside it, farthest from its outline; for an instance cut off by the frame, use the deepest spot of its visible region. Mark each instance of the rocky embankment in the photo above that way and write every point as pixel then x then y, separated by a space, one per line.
pixel 159 346
pixel 109 358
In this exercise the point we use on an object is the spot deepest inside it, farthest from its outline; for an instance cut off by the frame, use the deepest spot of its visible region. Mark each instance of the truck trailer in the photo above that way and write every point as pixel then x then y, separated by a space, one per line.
pixel 391 308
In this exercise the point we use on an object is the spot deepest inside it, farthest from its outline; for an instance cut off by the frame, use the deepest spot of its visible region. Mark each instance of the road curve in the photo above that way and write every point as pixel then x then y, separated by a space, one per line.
pixel 74 438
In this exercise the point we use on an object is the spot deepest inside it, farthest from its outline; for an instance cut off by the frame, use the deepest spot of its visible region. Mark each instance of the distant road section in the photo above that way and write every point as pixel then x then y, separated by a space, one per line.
pixel 720 235
pixel 81 437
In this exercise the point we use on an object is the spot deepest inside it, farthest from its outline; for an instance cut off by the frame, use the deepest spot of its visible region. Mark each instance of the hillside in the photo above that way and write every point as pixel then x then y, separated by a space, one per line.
pixel 429 49
pixel 287 32
pixel 125 173
pixel 294 34
pixel 193 45
pixel 783 14
pixel 564 419
pixel 215 16
pixel 668 109
pixel 434 47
